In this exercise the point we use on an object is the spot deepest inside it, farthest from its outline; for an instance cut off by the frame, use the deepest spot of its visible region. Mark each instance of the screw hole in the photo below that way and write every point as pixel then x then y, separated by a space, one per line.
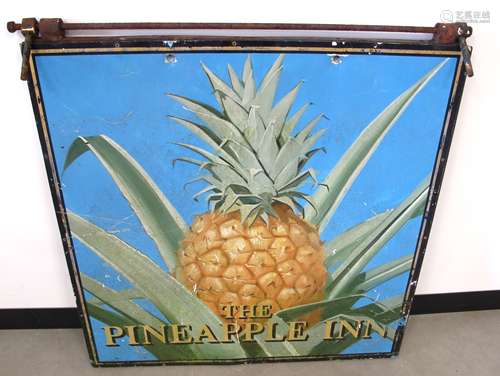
pixel 336 59
pixel 170 59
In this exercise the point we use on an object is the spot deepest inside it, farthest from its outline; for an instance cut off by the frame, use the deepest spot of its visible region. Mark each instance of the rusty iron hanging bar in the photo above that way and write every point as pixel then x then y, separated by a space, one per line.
pixel 54 29
pixel 12 26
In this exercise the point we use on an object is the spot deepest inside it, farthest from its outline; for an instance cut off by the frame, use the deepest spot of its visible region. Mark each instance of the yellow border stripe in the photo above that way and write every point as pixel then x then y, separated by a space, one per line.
pixel 238 48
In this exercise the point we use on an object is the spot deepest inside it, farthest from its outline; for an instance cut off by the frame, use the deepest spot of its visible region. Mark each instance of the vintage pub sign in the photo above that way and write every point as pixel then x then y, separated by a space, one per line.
pixel 235 193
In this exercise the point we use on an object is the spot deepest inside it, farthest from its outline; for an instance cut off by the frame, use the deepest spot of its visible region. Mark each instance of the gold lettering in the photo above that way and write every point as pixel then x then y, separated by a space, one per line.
pixel 266 310
pixel 329 328
pixel 230 329
pixel 180 334
pixel 149 331
pixel 229 310
pixel 296 331
pixel 111 333
pixel 250 330
pixel 354 331
pixel 272 336
pixel 370 324
pixel 207 333
pixel 132 339
pixel 245 311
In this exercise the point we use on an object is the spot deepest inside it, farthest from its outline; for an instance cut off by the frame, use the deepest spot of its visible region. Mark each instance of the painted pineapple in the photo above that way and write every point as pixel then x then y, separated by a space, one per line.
pixel 252 248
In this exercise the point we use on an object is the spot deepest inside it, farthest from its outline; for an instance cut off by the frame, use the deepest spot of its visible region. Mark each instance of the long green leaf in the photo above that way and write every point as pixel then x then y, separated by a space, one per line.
pixel 280 111
pixel 212 118
pixel 235 112
pixel 219 85
pixel 200 131
pixel 293 313
pixel 249 91
pixel 368 248
pixel 158 216
pixel 361 285
pixel 235 81
pixel 383 273
pixel 317 345
pixel 264 98
pixel 343 175
pixel 384 313
pixel 306 131
pixel 338 249
pixel 125 294
pixel 114 319
pixel 157 349
pixel 290 124
pixel 279 348
pixel 135 313
pixel 173 300
pixel 119 303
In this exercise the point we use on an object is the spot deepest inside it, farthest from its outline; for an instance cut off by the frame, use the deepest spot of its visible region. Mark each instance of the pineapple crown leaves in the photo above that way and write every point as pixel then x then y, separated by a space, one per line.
pixel 257 158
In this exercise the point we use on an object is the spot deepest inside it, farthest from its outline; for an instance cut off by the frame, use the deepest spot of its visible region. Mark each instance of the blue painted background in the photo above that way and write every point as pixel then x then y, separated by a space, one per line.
pixel 123 97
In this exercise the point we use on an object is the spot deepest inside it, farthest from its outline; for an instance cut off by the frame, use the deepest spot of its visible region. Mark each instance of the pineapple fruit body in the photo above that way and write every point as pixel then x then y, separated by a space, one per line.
pixel 280 263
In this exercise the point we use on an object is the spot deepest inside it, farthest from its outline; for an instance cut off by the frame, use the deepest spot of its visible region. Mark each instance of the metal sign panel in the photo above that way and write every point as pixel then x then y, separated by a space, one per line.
pixel 244 200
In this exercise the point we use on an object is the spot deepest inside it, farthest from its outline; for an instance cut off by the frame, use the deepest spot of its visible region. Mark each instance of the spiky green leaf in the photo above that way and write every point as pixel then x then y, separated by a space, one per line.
pixel 157 349
pixel 339 248
pixel 235 112
pixel 384 273
pixel 291 123
pixel 219 85
pixel 264 98
pixel 158 216
pixel 280 111
pixel 342 176
pixel 304 133
pixel 212 118
pixel 384 313
pixel 235 81
pixel 136 314
pixel 173 300
pixel 268 149
pixel 344 275
pixel 200 131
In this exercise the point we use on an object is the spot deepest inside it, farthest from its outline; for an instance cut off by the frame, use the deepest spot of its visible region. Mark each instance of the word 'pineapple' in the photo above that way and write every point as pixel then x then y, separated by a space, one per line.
pixel 252 248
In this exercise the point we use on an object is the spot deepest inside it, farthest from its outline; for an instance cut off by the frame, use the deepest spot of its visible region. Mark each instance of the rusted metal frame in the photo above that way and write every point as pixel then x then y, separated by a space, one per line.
pixel 54 30
pixel 12 26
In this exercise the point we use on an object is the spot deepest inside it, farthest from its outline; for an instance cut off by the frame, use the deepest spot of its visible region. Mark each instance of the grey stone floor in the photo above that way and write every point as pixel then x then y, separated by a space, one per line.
pixel 464 343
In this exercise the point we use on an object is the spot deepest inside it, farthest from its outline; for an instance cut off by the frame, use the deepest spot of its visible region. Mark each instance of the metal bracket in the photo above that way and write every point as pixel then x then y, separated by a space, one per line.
pixel 29 30
pixel 466 50
pixel 449 33
pixel 47 28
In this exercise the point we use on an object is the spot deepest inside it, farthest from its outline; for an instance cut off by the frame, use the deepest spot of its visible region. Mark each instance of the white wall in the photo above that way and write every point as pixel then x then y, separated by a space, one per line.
pixel 463 252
